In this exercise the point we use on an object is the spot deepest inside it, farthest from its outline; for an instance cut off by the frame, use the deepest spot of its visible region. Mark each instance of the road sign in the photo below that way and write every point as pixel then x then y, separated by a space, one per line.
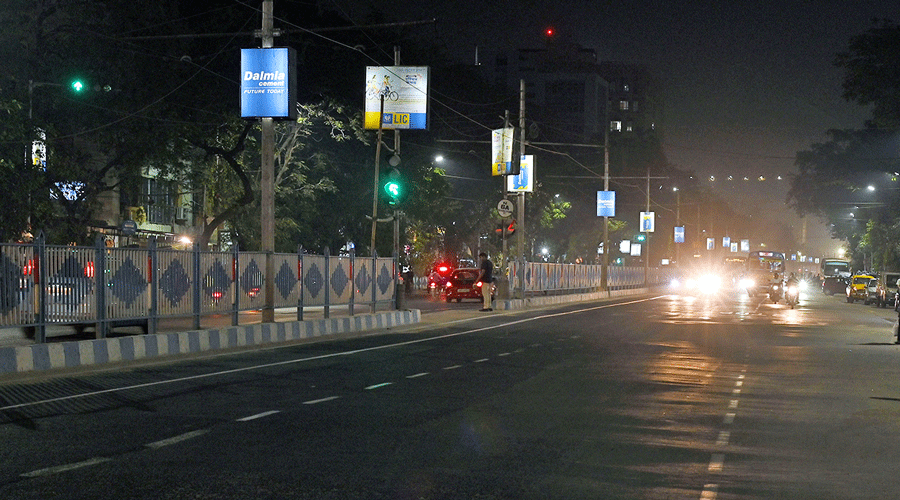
pixel 505 208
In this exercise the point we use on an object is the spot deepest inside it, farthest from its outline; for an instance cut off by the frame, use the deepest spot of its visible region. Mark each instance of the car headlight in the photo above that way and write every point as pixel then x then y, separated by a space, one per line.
pixel 747 283
pixel 675 283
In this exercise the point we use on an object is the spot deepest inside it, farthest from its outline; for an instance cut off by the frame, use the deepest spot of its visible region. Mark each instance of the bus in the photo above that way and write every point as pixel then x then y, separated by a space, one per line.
pixel 835 267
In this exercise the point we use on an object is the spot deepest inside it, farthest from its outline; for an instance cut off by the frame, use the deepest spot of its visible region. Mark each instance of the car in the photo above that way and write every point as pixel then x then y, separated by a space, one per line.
pixel 834 284
pixel 887 289
pixel 856 287
pixel 871 292
pixel 463 284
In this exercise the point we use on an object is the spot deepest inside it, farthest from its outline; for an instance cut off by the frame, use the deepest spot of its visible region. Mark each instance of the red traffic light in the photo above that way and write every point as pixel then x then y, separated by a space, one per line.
pixel 550 32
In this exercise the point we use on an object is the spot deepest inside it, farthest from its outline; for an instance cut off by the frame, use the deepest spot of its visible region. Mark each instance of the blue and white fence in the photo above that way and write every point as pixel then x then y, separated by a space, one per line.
pixel 541 277
pixel 42 285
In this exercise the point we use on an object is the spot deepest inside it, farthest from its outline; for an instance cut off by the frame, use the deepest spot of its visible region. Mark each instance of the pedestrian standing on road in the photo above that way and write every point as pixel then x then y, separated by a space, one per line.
pixel 486 277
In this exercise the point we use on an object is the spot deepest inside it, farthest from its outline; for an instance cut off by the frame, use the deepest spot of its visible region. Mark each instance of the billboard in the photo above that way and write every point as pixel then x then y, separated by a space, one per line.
pixel 648 222
pixel 405 92
pixel 268 83
pixel 606 203
pixel 501 151
pixel 524 182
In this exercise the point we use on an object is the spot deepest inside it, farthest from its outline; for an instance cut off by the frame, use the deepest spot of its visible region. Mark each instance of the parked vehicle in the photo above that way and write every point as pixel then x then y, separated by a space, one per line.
pixel 887 289
pixel 464 284
pixel 856 287
pixel 871 292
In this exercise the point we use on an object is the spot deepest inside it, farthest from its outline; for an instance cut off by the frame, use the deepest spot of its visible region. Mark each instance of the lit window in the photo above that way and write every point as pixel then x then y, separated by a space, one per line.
pixel 615 126
pixel 629 127
pixel 623 105
pixel 626 87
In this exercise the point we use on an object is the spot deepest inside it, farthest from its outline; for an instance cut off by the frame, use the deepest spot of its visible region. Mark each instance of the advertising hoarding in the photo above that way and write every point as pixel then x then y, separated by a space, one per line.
pixel 268 83
pixel 648 222
pixel 405 92
pixel 606 203
pixel 524 182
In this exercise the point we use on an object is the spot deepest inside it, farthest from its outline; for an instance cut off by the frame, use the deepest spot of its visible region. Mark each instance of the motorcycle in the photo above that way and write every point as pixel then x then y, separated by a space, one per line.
pixel 776 292
pixel 792 295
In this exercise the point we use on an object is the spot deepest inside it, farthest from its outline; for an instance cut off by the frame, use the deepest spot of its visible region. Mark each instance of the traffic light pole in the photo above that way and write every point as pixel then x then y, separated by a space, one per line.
pixel 375 186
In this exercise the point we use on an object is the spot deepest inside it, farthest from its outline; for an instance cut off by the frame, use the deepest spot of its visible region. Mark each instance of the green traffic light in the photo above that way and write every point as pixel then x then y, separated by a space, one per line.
pixel 77 86
pixel 641 237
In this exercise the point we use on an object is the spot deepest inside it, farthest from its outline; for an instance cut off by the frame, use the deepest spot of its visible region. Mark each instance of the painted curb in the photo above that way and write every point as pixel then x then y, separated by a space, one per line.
pixel 53 356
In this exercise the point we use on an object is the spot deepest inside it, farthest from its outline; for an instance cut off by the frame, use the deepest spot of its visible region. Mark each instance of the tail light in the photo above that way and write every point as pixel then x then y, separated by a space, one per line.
pixel 89 270
pixel 478 285
pixel 449 284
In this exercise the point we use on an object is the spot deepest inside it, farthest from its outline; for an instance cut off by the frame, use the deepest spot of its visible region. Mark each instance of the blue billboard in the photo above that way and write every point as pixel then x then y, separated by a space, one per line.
pixel 268 83
pixel 606 203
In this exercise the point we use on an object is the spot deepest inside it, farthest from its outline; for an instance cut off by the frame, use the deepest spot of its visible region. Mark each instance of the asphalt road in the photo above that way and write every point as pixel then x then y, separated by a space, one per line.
pixel 654 397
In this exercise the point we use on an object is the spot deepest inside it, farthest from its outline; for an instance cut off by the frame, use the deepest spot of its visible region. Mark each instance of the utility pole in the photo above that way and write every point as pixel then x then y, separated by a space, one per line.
pixel 647 254
pixel 521 201
pixel 377 167
pixel 503 192
pixel 604 272
pixel 267 204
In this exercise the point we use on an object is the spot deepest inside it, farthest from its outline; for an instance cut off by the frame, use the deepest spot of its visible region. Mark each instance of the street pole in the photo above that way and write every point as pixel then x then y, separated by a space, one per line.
pixel 604 271
pixel 267 154
pixel 678 224
pixel 647 255
pixel 503 193
pixel 377 167
pixel 521 196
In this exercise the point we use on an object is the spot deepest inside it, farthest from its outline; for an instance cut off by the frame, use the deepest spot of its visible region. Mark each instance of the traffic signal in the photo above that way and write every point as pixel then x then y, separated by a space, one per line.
pixel 77 85
pixel 393 187
pixel 641 237
pixel 505 230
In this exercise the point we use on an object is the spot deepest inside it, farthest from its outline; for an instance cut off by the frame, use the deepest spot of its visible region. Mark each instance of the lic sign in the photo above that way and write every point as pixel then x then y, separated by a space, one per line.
pixel 268 83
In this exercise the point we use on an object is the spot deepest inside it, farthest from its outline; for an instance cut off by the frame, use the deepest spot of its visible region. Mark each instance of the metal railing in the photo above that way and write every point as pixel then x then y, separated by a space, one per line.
pixel 543 277
pixel 43 285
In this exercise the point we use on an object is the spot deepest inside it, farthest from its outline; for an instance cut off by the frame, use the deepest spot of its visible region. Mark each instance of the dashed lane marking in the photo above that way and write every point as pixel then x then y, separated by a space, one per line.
pixel 709 492
pixel 729 419
pixel 323 400
pixel 378 386
pixel 67 467
pixel 177 439
pixel 258 415
pixel 417 375
pixel 724 437
pixel 717 462
pixel 454 367
pixel 482 360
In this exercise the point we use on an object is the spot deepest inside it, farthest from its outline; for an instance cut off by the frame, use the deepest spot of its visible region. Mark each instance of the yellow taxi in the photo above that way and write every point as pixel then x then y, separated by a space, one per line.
pixel 856 287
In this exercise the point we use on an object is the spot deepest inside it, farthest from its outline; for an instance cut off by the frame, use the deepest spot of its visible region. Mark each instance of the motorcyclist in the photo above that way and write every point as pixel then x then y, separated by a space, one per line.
pixel 792 281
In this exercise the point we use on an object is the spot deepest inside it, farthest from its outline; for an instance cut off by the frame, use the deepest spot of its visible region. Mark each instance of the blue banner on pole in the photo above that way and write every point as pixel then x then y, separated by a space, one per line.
pixel 268 83
pixel 606 203
pixel 679 234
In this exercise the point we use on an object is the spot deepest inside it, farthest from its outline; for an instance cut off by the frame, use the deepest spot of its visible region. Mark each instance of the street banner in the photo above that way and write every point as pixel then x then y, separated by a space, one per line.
pixel 501 151
pixel 734 247
pixel 606 203
pixel 635 249
pixel 405 92
pixel 524 182
pixel 710 243
pixel 648 222
pixel 268 83
pixel 726 242
pixel 679 234
pixel 625 246
pixel 745 245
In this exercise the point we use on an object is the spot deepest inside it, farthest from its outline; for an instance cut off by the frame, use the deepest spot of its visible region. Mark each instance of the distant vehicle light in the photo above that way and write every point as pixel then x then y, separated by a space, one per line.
pixel 675 283
pixel 747 283
pixel 443 269
pixel 710 284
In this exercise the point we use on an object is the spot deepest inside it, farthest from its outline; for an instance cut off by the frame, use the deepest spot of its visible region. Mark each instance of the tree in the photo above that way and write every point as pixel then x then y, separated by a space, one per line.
pixel 872 72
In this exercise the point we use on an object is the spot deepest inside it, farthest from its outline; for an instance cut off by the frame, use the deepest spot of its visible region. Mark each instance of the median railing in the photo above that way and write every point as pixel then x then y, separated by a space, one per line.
pixel 544 277
pixel 43 285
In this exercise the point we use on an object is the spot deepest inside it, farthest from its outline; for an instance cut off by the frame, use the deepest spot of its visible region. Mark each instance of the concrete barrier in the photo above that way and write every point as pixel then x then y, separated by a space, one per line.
pixel 60 355
pixel 548 300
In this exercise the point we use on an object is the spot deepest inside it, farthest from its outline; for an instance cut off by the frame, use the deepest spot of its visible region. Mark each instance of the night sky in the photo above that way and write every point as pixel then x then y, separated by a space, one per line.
pixel 747 84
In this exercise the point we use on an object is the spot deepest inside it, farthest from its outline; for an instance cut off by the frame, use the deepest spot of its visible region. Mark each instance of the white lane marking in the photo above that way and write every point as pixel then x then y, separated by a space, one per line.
pixel 736 391
pixel 535 345
pixel 724 437
pixel 740 377
pixel 258 415
pixel 324 356
pixel 729 418
pixel 323 400
pixel 177 439
pixel 418 375
pixel 64 468
pixel 717 462
pixel 376 386
pixel 502 354
pixel 739 383
pixel 482 360
pixel 709 492
pixel 733 404
pixel 452 367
